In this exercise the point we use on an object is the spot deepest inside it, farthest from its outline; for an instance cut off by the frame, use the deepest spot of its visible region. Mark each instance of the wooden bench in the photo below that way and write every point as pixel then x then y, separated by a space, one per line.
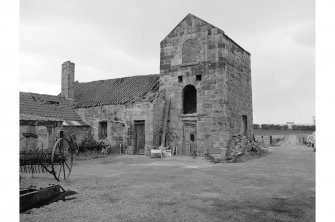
pixel 156 151
pixel 161 150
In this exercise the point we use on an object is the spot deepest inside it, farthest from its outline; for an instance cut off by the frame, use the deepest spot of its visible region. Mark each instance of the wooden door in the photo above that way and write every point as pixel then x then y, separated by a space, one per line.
pixel 102 130
pixel 189 140
pixel 139 137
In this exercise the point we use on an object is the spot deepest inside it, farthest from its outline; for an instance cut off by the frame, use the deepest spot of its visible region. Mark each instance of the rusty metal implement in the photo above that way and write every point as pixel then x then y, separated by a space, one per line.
pixel 57 161
pixel 31 198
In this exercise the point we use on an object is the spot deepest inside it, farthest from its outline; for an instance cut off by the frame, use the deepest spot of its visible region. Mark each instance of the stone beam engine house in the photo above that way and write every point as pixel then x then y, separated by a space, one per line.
pixel 203 93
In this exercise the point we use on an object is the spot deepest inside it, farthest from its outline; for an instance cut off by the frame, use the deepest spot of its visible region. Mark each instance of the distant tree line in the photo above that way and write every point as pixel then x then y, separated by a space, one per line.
pixel 283 127
pixel 303 127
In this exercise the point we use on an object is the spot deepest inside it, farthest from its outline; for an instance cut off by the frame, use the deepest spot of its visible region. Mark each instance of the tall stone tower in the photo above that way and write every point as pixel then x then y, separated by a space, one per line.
pixel 68 80
pixel 207 76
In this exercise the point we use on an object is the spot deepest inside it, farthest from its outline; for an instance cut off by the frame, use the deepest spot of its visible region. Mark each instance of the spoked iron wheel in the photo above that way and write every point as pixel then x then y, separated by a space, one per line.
pixel 106 145
pixel 62 159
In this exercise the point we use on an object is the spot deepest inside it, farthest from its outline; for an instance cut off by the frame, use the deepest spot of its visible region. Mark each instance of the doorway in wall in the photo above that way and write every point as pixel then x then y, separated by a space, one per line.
pixel 189 99
pixel 244 125
pixel 139 137
pixel 189 139
pixel 102 130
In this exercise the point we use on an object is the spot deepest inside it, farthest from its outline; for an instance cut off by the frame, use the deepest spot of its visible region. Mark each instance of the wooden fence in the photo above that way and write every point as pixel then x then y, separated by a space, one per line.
pixel 266 140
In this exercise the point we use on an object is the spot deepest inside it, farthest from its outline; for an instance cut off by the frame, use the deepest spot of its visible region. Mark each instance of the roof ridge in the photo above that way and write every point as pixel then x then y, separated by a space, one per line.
pixel 42 94
pixel 114 91
pixel 102 80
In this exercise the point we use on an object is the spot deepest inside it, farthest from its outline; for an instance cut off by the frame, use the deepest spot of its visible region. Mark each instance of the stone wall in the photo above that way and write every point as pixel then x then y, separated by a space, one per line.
pixel 79 132
pixel 47 136
pixel 120 122
pixel 199 54
pixel 27 143
pixel 238 80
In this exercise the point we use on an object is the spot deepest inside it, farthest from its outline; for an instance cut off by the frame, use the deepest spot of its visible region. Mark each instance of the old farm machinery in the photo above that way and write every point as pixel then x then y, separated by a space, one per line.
pixel 56 161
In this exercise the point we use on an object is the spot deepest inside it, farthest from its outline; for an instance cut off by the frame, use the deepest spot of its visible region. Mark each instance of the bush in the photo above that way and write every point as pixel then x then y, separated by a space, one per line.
pixel 304 127
pixel 264 126
pixel 90 144
pixel 277 127
pixel 284 127
pixel 256 126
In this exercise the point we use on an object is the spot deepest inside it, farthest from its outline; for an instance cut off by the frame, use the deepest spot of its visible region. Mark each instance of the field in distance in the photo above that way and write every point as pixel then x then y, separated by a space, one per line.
pixel 265 132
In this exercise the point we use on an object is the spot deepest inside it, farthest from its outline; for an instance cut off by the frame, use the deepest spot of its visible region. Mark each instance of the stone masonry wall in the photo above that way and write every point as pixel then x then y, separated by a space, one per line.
pixel 120 122
pixel 80 132
pixel 238 80
pixel 194 48
pixel 47 136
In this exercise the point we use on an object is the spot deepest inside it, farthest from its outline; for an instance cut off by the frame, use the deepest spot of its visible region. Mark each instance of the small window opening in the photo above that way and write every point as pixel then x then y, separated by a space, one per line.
pixel 180 79
pixel 198 77
pixel 102 130
pixel 61 134
pixel 192 137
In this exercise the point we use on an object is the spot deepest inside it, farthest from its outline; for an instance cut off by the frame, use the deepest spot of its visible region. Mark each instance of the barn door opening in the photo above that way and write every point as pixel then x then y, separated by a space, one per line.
pixel 189 139
pixel 139 137
pixel 244 125
pixel 102 130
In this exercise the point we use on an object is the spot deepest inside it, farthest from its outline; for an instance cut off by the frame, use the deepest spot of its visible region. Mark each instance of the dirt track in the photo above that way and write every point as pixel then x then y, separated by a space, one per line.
pixel 277 187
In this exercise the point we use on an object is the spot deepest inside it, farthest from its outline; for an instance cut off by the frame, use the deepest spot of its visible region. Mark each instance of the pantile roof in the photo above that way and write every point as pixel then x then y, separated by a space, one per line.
pixel 47 106
pixel 44 107
pixel 114 91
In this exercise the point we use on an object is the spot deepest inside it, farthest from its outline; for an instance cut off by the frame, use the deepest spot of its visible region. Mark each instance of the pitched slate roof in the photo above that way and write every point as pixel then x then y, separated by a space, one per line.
pixel 47 106
pixel 114 91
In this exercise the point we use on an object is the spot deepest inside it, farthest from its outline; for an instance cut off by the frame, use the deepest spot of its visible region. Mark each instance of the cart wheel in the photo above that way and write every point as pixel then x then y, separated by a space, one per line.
pixel 106 144
pixel 62 159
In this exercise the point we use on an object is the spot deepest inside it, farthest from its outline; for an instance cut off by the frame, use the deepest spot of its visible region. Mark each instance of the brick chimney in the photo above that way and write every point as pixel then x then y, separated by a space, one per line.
pixel 68 79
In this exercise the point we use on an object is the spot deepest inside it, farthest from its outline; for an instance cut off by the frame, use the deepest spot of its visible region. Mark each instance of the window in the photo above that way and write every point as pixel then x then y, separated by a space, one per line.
pixel 198 77
pixel 189 99
pixel 192 137
pixel 102 130
pixel 180 79
pixel 61 134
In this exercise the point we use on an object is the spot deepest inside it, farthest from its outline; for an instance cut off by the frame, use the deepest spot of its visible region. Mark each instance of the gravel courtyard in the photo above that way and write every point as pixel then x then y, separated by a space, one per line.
pixel 277 187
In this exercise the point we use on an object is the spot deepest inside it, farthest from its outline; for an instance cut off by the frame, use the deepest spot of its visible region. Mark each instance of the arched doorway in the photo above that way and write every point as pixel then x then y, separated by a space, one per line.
pixel 189 99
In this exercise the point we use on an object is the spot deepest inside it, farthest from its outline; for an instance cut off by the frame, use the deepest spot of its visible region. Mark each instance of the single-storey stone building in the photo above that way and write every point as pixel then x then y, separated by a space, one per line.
pixel 201 97
pixel 46 116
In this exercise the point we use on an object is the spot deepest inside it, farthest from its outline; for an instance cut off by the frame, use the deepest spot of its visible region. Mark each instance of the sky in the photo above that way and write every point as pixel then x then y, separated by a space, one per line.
pixel 117 38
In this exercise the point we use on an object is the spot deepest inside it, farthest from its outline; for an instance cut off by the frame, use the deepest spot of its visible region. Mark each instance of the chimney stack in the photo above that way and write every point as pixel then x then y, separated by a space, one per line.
pixel 68 80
